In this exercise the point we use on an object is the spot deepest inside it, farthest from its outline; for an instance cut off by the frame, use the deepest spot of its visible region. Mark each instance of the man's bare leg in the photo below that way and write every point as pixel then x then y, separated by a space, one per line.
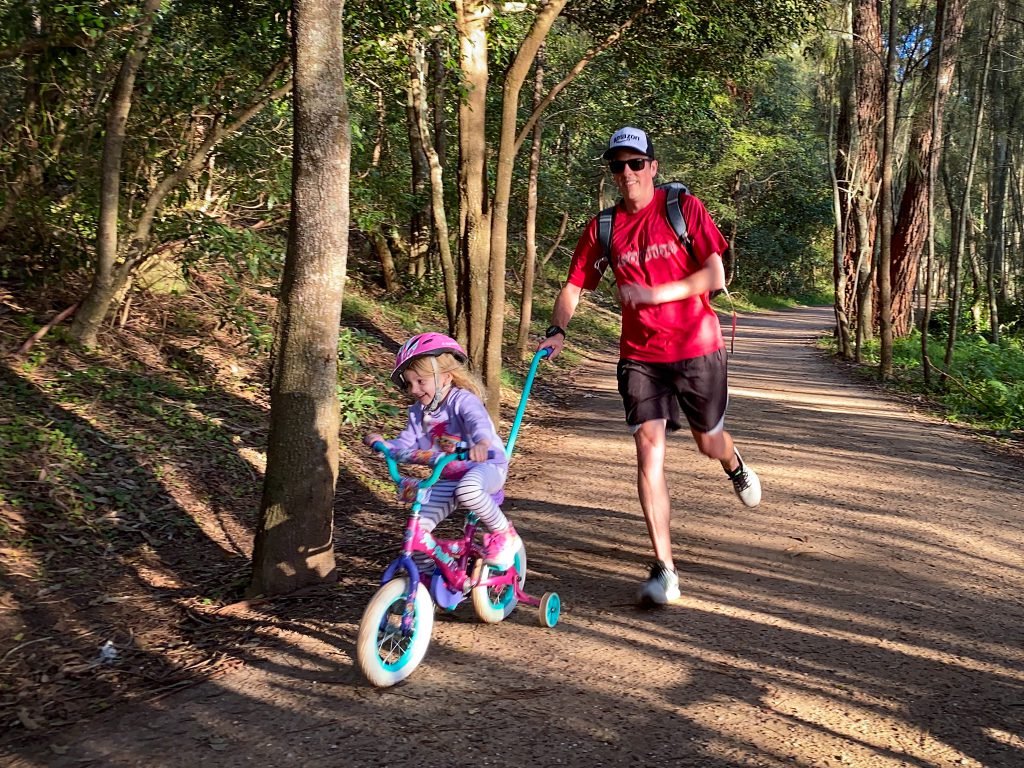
pixel 653 488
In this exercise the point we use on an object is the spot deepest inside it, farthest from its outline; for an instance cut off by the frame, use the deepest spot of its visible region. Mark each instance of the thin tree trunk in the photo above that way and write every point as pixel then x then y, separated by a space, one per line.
pixel 931 168
pixel 885 201
pixel 841 129
pixel 437 210
pixel 103 293
pixel 558 239
pixel 89 317
pixel 294 539
pixel 387 261
pixel 530 257
pixel 508 147
pixel 958 247
pixel 419 230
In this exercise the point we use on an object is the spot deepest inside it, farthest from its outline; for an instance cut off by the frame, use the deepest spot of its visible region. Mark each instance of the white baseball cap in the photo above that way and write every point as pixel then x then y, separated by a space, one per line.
pixel 629 138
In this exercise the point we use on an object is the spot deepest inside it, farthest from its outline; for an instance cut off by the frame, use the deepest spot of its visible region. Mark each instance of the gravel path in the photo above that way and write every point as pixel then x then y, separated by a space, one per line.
pixel 868 613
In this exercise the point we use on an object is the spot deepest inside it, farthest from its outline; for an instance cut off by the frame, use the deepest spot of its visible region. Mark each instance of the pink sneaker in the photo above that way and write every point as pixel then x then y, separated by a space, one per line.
pixel 500 548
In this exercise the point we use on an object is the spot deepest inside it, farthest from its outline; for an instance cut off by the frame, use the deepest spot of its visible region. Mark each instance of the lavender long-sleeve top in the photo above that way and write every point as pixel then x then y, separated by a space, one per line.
pixel 461 416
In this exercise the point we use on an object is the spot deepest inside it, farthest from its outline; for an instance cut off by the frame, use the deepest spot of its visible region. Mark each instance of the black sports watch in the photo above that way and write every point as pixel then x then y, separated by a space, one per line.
pixel 554 330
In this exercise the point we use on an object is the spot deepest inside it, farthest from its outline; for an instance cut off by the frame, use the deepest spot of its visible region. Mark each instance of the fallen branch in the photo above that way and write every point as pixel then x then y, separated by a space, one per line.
pixel 57 320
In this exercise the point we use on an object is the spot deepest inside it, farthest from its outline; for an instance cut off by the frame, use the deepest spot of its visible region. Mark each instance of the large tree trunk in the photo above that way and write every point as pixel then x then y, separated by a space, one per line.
pixel 94 307
pixel 863 163
pixel 530 256
pixel 294 540
pixel 472 17
pixel 911 227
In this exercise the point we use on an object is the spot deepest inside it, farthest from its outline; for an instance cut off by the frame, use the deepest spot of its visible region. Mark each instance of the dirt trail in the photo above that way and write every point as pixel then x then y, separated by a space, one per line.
pixel 869 613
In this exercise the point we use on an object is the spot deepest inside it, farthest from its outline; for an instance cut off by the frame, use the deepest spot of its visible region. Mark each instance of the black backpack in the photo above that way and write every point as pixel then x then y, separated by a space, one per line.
pixel 674 191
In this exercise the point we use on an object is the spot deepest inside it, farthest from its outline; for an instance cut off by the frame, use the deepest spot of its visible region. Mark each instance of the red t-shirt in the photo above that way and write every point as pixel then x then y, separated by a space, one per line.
pixel 646 251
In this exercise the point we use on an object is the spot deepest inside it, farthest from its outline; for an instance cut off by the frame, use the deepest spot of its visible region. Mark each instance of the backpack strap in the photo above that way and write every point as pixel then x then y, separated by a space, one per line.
pixel 605 224
pixel 674 192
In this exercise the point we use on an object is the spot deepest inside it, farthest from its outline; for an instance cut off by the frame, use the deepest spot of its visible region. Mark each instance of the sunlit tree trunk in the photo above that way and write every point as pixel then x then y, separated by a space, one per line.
pixel 911 228
pixel 868 79
pixel 508 147
pixel 841 129
pixel 294 538
pixel 472 17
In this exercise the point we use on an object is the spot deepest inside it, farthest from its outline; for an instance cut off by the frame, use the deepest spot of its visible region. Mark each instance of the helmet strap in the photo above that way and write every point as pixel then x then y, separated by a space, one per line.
pixel 439 391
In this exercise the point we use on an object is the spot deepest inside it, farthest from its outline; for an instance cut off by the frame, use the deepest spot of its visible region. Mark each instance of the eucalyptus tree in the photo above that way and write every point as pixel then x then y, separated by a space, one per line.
pixel 294 541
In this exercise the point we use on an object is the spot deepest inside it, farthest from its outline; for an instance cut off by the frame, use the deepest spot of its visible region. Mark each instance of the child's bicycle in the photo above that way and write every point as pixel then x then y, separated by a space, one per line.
pixel 395 629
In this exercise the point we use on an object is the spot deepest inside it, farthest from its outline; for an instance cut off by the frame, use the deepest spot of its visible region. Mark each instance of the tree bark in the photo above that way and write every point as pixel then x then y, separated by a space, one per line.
pixel 885 201
pixel 472 17
pixel 294 543
pixel 419 229
pixel 931 168
pixel 508 148
pixel 911 227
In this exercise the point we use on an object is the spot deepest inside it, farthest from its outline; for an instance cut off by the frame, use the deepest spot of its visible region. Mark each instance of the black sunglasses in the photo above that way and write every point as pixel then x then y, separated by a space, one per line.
pixel 634 163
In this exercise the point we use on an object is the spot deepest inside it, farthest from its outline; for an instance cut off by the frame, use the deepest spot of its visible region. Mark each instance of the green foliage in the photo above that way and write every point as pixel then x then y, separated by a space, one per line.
pixel 360 405
pixel 985 384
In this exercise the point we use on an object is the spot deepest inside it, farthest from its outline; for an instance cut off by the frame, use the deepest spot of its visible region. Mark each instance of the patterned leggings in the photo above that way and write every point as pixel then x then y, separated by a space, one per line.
pixel 473 492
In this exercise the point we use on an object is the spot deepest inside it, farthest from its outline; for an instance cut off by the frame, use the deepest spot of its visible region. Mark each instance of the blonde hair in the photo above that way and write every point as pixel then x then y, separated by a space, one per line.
pixel 448 363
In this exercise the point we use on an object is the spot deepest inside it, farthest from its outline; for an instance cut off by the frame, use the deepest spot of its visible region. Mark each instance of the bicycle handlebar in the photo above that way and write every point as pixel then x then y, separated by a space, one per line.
pixel 426 458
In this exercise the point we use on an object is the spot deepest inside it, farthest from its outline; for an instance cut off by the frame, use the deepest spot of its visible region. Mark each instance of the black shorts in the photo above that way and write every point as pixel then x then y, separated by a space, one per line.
pixel 697 388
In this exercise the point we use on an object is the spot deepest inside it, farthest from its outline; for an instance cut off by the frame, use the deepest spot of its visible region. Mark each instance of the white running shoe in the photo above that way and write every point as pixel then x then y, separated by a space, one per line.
pixel 746 483
pixel 661 587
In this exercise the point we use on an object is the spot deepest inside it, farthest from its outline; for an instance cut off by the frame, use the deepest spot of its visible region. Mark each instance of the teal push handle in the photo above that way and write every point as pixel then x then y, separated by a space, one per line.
pixel 538 356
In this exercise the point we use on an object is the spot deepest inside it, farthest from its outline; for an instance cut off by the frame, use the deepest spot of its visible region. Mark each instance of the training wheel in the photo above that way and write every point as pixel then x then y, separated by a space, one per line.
pixel 550 609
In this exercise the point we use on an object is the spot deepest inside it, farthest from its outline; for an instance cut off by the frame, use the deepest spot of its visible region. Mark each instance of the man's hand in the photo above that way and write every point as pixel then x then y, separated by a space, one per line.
pixel 554 343
pixel 372 438
pixel 634 294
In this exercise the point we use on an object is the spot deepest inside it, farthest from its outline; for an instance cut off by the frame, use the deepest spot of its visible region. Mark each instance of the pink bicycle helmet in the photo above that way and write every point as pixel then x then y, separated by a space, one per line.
pixel 425 345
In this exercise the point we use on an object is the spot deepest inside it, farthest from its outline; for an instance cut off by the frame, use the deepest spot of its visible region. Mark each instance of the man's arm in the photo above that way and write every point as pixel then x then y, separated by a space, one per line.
pixel 565 307
pixel 708 278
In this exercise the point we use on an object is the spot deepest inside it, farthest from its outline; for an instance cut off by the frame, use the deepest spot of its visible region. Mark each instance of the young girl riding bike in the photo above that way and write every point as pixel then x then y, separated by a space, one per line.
pixel 447 410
